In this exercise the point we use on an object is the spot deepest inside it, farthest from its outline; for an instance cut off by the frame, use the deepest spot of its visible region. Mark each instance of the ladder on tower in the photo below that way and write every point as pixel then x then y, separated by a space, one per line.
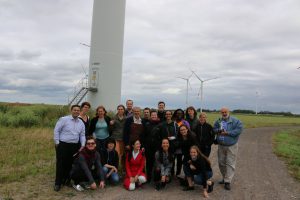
pixel 80 91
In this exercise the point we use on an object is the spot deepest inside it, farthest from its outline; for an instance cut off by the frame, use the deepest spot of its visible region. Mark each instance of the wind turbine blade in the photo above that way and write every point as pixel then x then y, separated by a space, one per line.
pixel 182 78
pixel 197 76
pixel 211 79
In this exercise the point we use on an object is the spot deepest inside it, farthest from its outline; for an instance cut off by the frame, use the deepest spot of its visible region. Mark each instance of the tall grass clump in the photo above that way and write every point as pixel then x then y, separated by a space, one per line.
pixel 30 115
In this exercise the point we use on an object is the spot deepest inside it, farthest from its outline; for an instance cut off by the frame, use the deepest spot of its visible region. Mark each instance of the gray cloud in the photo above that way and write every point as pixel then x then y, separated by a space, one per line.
pixel 252 46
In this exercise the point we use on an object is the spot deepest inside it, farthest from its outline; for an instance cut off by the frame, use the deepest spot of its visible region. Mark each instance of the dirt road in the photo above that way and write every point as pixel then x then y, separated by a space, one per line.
pixel 259 175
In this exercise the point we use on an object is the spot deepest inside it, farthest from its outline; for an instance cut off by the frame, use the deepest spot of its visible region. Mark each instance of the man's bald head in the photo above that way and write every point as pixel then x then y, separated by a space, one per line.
pixel 136 112
pixel 225 112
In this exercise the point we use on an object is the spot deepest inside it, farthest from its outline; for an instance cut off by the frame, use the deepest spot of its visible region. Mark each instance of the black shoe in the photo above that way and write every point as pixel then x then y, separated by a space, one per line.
pixel 210 188
pixel 227 186
pixel 56 188
pixel 221 182
pixel 68 183
pixel 188 188
pixel 183 182
pixel 163 185
pixel 157 186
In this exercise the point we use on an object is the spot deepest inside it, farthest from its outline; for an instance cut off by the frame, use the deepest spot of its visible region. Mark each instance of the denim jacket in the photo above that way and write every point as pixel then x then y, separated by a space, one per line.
pixel 234 128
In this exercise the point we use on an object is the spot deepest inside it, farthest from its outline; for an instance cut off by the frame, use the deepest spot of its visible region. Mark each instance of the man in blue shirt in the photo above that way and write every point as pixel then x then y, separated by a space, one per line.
pixel 69 138
pixel 228 129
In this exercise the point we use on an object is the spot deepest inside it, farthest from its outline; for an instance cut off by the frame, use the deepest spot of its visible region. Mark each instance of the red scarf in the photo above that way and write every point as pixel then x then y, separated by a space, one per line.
pixel 89 156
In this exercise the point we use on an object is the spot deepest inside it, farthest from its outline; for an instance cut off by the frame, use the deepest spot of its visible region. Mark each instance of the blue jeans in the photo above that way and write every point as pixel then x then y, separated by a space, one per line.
pixel 114 177
pixel 198 178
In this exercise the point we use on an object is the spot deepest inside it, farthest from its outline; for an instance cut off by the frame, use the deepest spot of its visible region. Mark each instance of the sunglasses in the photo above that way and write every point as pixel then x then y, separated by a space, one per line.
pixel 90 143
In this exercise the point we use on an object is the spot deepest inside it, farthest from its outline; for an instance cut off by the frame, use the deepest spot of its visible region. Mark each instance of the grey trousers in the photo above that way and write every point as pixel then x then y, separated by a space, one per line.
pixel 227 160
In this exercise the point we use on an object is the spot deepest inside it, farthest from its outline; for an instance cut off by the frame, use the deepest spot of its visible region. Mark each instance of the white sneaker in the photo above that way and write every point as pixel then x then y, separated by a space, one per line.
pixel 78 188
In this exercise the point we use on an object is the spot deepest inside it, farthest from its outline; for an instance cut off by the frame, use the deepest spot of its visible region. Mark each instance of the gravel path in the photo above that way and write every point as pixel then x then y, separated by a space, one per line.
pixel 259 175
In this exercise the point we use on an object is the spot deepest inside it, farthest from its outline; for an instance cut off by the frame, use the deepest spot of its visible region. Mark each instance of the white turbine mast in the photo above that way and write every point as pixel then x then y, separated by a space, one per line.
pixel 256 99
pixel 187 88
pixel 201 87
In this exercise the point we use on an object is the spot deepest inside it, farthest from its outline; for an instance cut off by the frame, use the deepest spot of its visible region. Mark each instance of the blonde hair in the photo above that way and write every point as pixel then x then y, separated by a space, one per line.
pixel 200 154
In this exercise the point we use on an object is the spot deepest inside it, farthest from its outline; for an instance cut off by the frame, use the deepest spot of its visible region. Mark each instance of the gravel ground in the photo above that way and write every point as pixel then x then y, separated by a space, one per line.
pixel 259 175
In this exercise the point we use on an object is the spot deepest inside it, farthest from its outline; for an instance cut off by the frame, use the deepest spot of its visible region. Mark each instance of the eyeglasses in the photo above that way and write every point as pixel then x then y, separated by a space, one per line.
pixel 90 143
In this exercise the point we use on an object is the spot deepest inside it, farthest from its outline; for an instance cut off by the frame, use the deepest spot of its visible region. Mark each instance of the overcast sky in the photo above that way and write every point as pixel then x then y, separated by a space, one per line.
pixel 252 46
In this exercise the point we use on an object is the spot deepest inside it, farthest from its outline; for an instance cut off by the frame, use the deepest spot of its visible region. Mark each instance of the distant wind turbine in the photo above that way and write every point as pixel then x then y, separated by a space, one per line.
pixel 256 98
pixel 187 88
pixel 201 87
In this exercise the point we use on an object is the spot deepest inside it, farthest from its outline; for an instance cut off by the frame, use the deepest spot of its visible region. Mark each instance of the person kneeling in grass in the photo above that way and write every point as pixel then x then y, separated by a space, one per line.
pixel 198 168
pixel 163 165
pixel 110 161
pixel 135 165
pixel 87 167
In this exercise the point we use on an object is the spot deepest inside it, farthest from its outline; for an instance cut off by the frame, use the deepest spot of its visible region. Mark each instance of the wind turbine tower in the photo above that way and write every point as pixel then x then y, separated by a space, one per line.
pixel 106 53
pixel 187 89
pixel 201 87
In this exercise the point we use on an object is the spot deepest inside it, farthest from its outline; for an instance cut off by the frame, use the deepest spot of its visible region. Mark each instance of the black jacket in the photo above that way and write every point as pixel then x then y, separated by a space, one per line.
pixel 110 157
pixel 94 122
pixel 150 137
pixel 202 167
pixel 204 134
pixel 87 167
pixel 185 145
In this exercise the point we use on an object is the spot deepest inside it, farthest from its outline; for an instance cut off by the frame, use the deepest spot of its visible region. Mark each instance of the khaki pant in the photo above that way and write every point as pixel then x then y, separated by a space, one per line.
pixel 120 149
pixel 227 160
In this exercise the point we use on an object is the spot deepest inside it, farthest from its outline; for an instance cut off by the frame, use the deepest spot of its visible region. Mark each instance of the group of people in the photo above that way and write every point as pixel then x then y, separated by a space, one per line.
pixel 143 149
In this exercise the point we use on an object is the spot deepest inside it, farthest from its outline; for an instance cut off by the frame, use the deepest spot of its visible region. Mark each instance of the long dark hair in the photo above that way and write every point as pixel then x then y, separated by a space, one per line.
pixel 187 116
pixel 190 135
pixel 200 154
pixel 101 107
pixel 131 149
pixel 160 151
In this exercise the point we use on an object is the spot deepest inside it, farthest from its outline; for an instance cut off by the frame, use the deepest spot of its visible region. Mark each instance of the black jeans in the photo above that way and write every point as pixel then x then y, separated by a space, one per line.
pixel 79 176
pixel 101 143
pixel 64 161
pixel 205 149
pixel 178 158
pixel 150 153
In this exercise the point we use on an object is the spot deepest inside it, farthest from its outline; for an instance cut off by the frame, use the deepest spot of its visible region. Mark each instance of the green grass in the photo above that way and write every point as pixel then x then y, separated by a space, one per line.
pixel 30 115
pixel 25 152
pixel 287 146
pixel 26 132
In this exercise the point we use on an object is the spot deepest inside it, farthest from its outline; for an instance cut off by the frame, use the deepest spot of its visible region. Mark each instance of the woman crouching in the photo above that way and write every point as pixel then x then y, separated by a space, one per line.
pixel 110 162
pixel 198 168
pixel 135 165
pixel 87 167
pixel 163 165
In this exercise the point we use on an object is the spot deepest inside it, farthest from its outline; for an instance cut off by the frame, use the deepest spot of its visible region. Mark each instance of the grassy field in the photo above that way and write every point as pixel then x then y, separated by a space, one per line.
pixel 25 152
pixel 27 149
pixel 287 146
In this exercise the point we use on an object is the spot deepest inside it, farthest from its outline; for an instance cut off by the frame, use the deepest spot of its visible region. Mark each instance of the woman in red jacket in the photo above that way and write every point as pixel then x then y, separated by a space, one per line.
pixel 135 165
